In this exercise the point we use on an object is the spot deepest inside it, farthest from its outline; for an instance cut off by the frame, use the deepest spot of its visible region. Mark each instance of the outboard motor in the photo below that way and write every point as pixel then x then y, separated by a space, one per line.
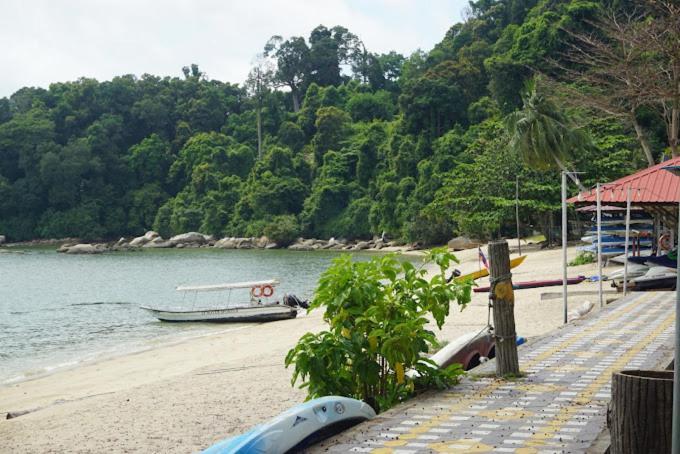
pixel 294 301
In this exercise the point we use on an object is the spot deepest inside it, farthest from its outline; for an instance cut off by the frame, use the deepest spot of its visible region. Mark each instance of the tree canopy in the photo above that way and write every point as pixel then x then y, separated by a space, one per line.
pixel 327 138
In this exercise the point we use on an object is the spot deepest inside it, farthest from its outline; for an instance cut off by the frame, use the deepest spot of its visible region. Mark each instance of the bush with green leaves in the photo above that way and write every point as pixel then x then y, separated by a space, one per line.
pixel 583 258
pixel 378 314
pixel 283 230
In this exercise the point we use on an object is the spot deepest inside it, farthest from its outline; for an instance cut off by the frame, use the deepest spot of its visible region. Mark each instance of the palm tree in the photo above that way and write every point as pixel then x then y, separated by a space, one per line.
pixel 542 134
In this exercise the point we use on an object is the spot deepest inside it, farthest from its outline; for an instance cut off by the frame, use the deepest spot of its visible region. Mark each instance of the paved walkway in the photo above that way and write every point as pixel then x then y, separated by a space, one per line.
pixel 559 407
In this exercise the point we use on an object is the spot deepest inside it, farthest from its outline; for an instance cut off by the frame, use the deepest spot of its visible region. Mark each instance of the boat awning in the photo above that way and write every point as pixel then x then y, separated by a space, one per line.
pixel 218 287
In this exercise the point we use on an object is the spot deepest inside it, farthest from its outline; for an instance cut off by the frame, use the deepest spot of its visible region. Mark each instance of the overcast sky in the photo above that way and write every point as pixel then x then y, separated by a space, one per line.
pixel 44 41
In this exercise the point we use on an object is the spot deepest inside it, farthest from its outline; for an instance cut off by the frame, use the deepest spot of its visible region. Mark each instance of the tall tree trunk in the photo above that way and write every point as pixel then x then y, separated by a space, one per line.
pixel 642 139
pixel 259 131
pixel 673 130
pixel 640 412
pixel 296 99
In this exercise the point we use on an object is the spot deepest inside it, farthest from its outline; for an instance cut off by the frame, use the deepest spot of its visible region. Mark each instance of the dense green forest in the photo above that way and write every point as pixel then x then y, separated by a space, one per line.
pixel 325 138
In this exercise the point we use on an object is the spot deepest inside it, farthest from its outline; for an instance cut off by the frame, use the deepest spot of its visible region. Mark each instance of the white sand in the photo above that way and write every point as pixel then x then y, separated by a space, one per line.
pixel 186 396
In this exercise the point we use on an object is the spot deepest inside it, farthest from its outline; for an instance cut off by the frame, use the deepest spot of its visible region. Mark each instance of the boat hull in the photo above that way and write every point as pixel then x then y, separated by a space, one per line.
pixel 227 315
pixel 536 284
pixel 298 428
pixel 517 261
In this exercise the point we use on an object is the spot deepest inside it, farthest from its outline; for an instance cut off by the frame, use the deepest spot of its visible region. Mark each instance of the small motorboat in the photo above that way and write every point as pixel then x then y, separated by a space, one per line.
pixel 467 350
pixel 536 284
pixel 634 270
pixel 261 306
pixel 299 427
pixel 657 278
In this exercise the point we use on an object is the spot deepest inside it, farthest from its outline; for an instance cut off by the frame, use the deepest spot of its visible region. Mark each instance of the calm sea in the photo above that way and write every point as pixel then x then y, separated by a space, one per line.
pixel 58 310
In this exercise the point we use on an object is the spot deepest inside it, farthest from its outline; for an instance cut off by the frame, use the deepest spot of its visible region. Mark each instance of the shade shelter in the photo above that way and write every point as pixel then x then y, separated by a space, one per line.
pixel 653 189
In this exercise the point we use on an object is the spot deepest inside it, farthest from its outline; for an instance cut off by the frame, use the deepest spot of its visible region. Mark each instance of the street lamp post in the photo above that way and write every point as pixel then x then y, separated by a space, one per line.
pixel 676 380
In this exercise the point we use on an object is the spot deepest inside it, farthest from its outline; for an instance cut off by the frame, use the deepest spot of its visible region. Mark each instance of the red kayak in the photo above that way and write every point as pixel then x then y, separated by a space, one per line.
pixel 536 284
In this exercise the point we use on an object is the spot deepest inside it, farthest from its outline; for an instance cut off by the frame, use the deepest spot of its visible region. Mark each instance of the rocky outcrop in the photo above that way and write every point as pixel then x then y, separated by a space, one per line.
pixel 460 243
pixel 83 248
pixel 142 240
pixel 158 242
pixel 190 238
pixel 226 243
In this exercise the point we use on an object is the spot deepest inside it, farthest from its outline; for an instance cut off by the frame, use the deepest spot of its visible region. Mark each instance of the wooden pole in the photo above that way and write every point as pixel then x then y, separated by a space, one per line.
pixel 564 246
pixel 599 246
pixel 519 241
pixel 503 298
pixel 625 248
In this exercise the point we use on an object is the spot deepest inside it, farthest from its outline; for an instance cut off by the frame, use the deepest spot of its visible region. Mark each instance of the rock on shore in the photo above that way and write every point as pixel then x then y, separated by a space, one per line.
pixel 152 240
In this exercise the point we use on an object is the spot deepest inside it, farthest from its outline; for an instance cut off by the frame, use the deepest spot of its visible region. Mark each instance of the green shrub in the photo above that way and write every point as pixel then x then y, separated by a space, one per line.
pixel 583 258
pixel 283 230
pixel 377 312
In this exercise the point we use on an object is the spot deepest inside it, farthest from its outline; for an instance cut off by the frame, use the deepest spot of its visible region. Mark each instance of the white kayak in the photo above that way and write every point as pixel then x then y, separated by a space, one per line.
pixel 299 427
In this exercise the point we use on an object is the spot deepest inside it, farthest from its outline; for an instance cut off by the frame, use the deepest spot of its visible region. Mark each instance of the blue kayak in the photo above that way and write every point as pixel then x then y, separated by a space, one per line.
pixel 298 428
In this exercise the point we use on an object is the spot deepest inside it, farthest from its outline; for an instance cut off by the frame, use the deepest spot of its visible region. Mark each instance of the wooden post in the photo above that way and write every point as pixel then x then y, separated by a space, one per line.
pixel 503 298
pixel 639 416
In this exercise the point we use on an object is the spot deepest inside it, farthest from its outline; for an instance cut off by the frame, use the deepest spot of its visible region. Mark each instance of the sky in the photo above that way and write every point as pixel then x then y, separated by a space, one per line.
pixel 45 41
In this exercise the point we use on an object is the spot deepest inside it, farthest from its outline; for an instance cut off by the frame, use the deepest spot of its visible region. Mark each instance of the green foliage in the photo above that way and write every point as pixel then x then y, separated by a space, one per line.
pixel 358 144
pixel 283 230
pixel 583 258
pixel 542 134
pixel 377 314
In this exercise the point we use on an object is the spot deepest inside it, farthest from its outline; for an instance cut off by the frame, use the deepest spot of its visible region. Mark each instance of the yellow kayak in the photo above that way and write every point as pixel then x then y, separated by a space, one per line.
pixel 484 272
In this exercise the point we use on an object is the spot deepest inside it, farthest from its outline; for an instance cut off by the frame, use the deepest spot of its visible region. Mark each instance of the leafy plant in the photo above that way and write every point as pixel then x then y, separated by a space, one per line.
pixel 583 258
pixel 377 314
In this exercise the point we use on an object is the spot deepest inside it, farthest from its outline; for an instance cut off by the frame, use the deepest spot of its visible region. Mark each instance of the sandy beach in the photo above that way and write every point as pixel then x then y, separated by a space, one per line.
pixel 185 396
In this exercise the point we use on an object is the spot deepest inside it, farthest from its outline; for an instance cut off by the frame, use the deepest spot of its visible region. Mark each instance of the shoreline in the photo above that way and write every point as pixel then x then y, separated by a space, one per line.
pixel 185 395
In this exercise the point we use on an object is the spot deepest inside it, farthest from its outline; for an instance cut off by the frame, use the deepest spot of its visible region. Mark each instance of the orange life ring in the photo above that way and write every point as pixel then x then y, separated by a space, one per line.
pixel 665 242
pixel 256 291
pixel 267 290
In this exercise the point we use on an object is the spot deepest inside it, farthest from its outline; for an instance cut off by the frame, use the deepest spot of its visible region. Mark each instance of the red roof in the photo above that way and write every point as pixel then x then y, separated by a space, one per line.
pixel 651 185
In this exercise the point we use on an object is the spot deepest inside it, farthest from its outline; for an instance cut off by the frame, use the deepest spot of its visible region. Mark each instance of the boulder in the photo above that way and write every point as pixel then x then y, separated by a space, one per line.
pixel 158 242
pixel 361 245
pixel 226 243
pixel 244 243
pixel 271 246
pixel 300 247
pixel 3 239
pixel 189 238
pixel 139 241
pixel 460 243
pixel 85 248
pixel 262 242
pixel 151 235
pixel 379 245
pixel 64 247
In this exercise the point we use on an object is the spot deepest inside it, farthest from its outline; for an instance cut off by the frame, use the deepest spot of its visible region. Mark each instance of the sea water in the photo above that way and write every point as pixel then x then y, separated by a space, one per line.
pixel 59 310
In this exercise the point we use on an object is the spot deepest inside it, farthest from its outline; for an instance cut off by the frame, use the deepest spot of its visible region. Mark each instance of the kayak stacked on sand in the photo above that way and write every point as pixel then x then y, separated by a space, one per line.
pixel 613 235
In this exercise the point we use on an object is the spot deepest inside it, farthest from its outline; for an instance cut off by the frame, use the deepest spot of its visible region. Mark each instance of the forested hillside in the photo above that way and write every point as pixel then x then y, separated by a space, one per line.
pixel 325 138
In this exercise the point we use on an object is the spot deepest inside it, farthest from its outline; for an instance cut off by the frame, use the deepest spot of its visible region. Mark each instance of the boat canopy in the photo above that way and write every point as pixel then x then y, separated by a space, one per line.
pixel 218 287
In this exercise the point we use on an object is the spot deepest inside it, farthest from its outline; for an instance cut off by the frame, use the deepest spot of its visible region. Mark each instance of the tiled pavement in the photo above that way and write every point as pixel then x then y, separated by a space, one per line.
pixel 560 405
